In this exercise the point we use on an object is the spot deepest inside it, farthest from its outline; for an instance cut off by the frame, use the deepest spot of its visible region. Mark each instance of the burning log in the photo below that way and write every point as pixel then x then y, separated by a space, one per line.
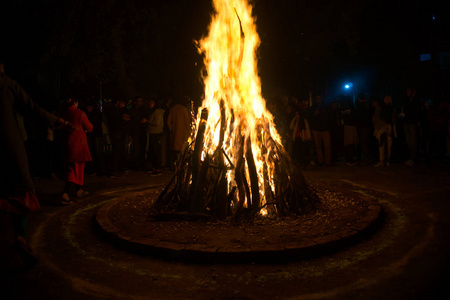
pixel 240 178
pixel 254 183
pixel 195 191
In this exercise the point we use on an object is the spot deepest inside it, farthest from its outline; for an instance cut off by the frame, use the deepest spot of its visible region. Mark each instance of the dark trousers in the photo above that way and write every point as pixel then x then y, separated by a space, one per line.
pixel 412 139
pixel 154 150
pixel 118 151
pixel 322 138
pixel 96 148
pixel 139 146
pixel 303 151
pixel 364 135
pixel 350 153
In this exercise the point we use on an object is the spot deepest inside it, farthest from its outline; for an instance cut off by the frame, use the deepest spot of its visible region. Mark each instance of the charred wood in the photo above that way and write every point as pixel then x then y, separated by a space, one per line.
pixel 254 184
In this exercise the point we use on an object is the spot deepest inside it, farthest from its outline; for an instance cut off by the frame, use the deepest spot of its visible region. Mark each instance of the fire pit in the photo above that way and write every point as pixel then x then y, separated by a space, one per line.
pixel 235 195
pixel 340 220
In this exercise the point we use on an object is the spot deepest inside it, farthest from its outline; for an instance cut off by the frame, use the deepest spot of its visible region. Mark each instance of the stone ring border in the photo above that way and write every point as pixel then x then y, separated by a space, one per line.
pixel 301 250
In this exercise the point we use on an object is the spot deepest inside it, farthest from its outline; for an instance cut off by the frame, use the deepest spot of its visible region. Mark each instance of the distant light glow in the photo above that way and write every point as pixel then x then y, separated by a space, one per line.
pixel 348 85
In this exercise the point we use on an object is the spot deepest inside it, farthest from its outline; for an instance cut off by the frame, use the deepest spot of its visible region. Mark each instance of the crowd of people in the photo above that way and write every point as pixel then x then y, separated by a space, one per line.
pixel 148 134
pixel 111 138
pixel 141 134
pixel 370 130
pixel 81 136
pixel 106 138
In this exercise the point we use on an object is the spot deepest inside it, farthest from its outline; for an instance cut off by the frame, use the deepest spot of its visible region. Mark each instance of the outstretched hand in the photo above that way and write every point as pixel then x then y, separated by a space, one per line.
pixel 61 123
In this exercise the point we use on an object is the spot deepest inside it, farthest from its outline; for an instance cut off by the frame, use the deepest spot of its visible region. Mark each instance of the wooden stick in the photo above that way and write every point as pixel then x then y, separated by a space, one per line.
pixel 194 206
pixel 223 126
pixel 253 176
pixel 239 177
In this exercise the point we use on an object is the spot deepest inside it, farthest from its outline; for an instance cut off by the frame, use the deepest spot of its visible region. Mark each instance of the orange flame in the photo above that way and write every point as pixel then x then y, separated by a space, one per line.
pixel 230 59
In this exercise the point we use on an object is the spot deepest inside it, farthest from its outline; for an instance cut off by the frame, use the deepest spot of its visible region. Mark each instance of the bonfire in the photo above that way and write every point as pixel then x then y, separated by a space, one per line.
pixel 234 164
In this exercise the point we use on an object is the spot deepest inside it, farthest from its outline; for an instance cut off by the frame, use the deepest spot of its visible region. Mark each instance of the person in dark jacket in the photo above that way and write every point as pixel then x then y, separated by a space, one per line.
pixel 76 150
pixel 155 132
pixel 95 139
pixel 363 120
pixel 17 193
pixel 320 120
pixel 350 133
pixel 411 115
pixel 138 132
pixel 118 119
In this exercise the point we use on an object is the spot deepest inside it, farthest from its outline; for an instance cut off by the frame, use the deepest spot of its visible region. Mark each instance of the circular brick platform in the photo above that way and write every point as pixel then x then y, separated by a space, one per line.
pixel 268 252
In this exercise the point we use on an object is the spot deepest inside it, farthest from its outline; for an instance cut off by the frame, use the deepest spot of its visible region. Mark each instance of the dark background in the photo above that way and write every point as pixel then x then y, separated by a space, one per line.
pixel 125 48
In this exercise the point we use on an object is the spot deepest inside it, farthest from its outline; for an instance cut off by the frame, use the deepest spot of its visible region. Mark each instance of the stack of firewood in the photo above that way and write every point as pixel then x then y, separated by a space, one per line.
pixel 201 184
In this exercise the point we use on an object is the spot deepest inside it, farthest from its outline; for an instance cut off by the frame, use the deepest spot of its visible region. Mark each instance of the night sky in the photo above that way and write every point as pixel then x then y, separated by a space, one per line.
pixel 132 47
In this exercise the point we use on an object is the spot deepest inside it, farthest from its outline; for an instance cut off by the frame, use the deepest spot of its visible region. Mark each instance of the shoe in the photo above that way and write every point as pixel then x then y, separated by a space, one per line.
pixel 380 164
pixel 82 193
pixel 65 200
pixel 155 173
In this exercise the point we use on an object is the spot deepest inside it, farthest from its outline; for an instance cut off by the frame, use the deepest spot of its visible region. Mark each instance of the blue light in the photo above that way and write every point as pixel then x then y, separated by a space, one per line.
pixel 348 85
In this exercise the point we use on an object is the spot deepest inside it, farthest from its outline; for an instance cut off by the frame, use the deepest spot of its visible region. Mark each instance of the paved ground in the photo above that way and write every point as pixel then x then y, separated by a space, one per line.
pixel 406 259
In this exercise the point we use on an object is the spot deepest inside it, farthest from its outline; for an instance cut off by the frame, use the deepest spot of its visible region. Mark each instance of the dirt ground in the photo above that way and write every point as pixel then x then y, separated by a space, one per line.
pixel 406 258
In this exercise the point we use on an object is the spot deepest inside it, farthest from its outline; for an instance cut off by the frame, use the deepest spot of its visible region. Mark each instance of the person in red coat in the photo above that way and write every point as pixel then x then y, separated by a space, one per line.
pixel 76 150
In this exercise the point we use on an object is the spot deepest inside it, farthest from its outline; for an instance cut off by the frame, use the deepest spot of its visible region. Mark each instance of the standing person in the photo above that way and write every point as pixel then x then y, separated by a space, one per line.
pixel 118 119
pixel 308 143
pixel 363 118
pixel 50 153
pixel 350 134
pixel 165 140
pixel 320 119
pixel 336 131
pixel 286 131
pixel 155 132
pixel 383 120
pixel 95 139
pixel 389 116
pixel 76 150
pixel 411 117
pixel 301 134
pixel 17 195
pixel 138 123
pixel 179 123
pixel 438 118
